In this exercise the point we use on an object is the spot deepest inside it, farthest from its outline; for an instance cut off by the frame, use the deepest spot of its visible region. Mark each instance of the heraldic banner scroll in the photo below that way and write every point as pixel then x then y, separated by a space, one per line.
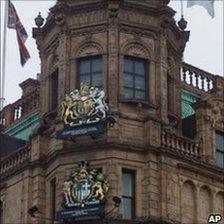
pixel 84 112
pixel 84 194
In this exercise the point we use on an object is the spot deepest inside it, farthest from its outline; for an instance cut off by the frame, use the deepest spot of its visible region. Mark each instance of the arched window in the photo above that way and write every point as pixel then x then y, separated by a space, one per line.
pixel 136 69
pixel 219 205
pixel 188 203
pixel 204 205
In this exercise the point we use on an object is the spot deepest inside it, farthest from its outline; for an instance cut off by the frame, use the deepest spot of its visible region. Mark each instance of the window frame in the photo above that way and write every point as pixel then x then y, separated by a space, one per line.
pixel 90 57
pixel 133 197
pixel 217 150
pixel 134 89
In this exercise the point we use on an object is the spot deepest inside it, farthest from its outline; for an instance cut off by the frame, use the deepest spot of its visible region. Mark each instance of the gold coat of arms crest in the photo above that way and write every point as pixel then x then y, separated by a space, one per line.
pixel 85 106
pixel 85 187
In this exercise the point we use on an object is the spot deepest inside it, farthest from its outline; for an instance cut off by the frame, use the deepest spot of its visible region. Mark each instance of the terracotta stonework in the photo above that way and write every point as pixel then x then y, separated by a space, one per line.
pixel 176 178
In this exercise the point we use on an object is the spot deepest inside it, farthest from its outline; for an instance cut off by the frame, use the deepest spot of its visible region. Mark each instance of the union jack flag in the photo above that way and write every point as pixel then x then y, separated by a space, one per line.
pixel 15 23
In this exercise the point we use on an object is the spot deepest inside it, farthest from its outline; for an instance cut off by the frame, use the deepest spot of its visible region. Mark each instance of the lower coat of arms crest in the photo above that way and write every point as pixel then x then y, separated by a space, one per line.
pixel 85 187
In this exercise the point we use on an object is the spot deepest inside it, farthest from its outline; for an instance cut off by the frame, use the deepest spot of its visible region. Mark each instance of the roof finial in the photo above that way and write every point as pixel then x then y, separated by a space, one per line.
pixel 39 20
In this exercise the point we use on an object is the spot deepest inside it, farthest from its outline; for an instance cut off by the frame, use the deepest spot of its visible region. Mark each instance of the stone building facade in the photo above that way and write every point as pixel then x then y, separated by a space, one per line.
pixel 133 50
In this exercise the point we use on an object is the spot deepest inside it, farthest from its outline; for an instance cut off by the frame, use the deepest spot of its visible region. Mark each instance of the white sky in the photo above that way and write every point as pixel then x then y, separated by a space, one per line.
pixel 204 50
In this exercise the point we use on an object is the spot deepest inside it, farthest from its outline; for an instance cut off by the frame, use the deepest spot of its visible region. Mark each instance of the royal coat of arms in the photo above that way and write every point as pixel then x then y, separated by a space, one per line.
pixel 84 106
pixel 85 187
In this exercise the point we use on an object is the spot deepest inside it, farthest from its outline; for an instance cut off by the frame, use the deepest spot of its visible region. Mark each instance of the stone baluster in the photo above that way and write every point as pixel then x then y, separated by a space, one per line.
pixel 202 83
pixel 208 84
pixel 16 114
pixel 191 77
pixel 184 75
pixel 197 80
pixel 191 149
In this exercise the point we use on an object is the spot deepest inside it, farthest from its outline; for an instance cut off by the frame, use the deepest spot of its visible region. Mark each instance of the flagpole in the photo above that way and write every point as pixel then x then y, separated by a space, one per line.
pixel 182 8
pixel 2 81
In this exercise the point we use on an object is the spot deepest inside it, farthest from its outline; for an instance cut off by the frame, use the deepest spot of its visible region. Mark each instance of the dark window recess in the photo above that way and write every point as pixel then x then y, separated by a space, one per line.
pixel 135 79
pixel 128 195
pixel 53 198
pixel 90 71
pixel 219 140
pixel 189 126
pixel 54 90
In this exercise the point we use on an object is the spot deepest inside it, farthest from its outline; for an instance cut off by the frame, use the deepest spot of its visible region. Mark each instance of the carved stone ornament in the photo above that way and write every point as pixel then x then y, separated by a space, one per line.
pixel 85 187
pixel 84 106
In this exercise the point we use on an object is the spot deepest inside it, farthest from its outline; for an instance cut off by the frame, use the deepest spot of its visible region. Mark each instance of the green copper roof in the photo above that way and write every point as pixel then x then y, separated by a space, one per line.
pixel 187 99
pixel 24 128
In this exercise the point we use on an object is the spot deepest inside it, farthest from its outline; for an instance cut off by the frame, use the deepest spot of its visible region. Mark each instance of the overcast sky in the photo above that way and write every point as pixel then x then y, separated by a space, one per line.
pixel 204 50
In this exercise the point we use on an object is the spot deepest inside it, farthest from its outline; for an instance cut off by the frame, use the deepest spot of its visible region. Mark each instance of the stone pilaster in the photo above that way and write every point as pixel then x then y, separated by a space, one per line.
pixel 113 43
pixel 162 67
pixel 39 194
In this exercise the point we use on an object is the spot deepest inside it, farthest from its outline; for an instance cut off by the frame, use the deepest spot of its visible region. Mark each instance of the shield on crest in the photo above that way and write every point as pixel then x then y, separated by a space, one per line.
pixel 84 106
pixel 82 190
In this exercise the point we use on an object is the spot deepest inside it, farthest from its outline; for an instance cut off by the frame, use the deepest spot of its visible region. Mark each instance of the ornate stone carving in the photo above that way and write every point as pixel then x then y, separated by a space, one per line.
pixel 137 50
pixel 90 48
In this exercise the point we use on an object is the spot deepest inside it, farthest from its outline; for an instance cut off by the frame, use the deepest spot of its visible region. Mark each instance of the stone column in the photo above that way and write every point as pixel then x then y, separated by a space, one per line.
pixel 63 66
pixel 206 121
pixel 113 45
pixel 162 67
pixel 39 194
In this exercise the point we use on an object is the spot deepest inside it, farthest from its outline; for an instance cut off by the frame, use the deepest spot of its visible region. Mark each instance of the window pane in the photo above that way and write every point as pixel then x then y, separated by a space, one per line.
pixel 220 159
pixel 128 80
pixel 97 65
pixel 128 65
pixel 126 208
pixel 220 141
pixel 140 68
pixel 97 79
pixel 85 79
pixel 140 82
pixel 128 93
pixel 85 67
pixel 140 95
pixel 127 184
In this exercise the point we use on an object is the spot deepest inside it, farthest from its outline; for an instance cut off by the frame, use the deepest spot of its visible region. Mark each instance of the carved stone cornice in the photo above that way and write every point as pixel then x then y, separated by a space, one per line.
pixel 87 30
pixel 140 8
pixel 210 171
pixel 141 31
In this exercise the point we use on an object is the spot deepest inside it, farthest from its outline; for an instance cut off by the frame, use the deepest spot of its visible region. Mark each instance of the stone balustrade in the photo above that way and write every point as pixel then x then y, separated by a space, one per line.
pixel 180 145
pixel 20 108
pixel 197 79
pixel 27 104
pixel 15 159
